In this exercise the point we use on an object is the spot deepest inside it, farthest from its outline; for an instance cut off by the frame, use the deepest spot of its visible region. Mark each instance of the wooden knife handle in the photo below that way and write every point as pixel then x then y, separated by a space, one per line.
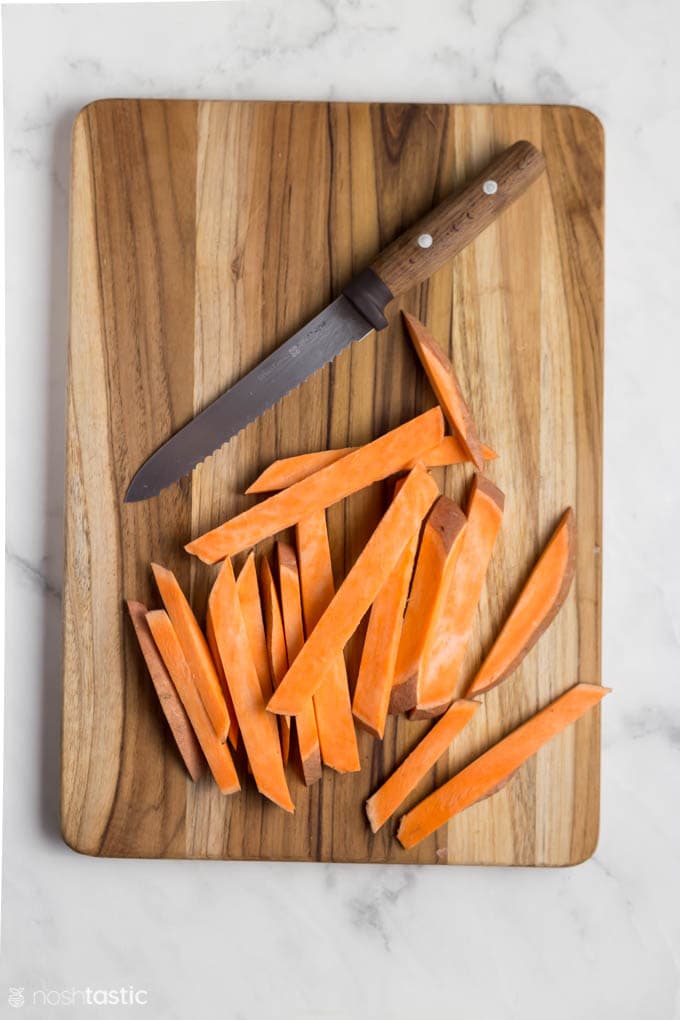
pixel 442 233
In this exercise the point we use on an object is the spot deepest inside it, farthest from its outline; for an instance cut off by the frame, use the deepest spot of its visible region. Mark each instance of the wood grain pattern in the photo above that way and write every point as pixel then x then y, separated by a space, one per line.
pixel 202 235
pixel 458 219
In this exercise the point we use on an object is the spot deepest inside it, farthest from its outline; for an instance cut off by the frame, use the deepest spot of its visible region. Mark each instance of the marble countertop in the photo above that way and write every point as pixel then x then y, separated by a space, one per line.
pixel 269 941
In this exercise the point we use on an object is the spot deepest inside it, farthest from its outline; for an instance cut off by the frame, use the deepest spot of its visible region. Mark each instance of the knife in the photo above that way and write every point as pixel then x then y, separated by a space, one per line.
pixel 360 309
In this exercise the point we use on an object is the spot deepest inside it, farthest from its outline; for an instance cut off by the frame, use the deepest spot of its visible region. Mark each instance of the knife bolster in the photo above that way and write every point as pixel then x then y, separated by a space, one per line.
pixel 369 295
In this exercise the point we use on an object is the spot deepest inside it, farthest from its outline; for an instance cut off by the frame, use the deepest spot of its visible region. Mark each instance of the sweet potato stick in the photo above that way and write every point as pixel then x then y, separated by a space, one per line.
pixel 288 470
pixel 276 645
pixel 357 592
pixel 332 708
pixel 215 750
pixel 170 701
pixel 233 733
pixel 251 608
pixel 450 451
pixel 440 546
pixel 258 728
pixel 368 464
pixel 381 644
pixel 195 648
pixel 422 758
pixel 485 773
pixel 444 383
pixel 538 604
pixel 291 610
pixel 443 656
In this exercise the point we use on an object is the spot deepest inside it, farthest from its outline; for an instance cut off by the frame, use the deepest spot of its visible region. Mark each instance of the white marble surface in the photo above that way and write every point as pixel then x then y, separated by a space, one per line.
pixel 262 942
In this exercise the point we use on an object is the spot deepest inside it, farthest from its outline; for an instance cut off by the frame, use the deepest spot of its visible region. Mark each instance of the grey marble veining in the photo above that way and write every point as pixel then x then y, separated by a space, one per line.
pixel 267 941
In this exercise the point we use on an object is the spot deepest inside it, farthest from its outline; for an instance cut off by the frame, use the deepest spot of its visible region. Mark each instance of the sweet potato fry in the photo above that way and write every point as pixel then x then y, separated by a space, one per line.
pixel 357 592
pixel 195 648
pixel 332 708
pixel 258 728
pixel 215 750
pixel 422 758
pixel 440 546
pixel 291 610
pixel 539 602
pixel 233 734
pixel 170 701
pixel 485 773
pixel 368 464
pixel 443 656
pixel 379 654
pixel 450 451
pixel 285 472
pixel 276 646
pixel 282 473
pixel 444 383
pixel 251 607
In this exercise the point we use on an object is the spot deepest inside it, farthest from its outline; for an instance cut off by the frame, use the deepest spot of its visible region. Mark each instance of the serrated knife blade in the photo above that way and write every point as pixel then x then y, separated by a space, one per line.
pixel 412 258
pixel 308 350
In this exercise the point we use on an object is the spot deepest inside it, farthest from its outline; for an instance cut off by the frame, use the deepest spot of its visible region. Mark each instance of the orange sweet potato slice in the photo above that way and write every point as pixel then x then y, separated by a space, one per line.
pixel 422 758
pixel 291 610
pixel 233 733
pixel 445 385
pixel 379 654
pixel 539 602
pixel 288 470
pixel 450 451
pixel 251 607
pixel 332 708
pixel 195 648
pixel 282 473
pixel 368 464
pixel 276 645
pixel 439 550
pixel 215 750
pixel 485 773
pixel 257 726
pixel 443 656
pixel 170 702
pixel 357 592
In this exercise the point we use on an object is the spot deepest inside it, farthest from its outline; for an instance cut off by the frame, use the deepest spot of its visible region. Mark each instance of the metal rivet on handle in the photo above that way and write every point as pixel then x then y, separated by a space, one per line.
pixel 425 241
pixel 489 187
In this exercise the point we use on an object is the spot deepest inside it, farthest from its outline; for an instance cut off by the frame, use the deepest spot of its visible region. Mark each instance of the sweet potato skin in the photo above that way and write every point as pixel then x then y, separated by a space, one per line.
pixel 357 592
pixel 171 704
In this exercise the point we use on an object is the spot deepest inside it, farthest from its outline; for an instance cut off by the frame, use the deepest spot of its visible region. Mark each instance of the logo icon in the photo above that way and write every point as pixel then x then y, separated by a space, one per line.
pixel 16 997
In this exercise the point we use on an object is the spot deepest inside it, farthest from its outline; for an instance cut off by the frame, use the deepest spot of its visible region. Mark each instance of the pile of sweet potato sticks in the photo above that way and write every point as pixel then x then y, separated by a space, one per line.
pixel 270 669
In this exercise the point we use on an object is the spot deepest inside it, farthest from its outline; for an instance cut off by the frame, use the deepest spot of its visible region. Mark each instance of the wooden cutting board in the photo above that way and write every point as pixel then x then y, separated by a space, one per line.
pixel 202 235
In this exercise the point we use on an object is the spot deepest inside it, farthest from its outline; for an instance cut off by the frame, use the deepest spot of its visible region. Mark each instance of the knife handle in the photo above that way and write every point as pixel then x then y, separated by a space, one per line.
pixel 445 230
